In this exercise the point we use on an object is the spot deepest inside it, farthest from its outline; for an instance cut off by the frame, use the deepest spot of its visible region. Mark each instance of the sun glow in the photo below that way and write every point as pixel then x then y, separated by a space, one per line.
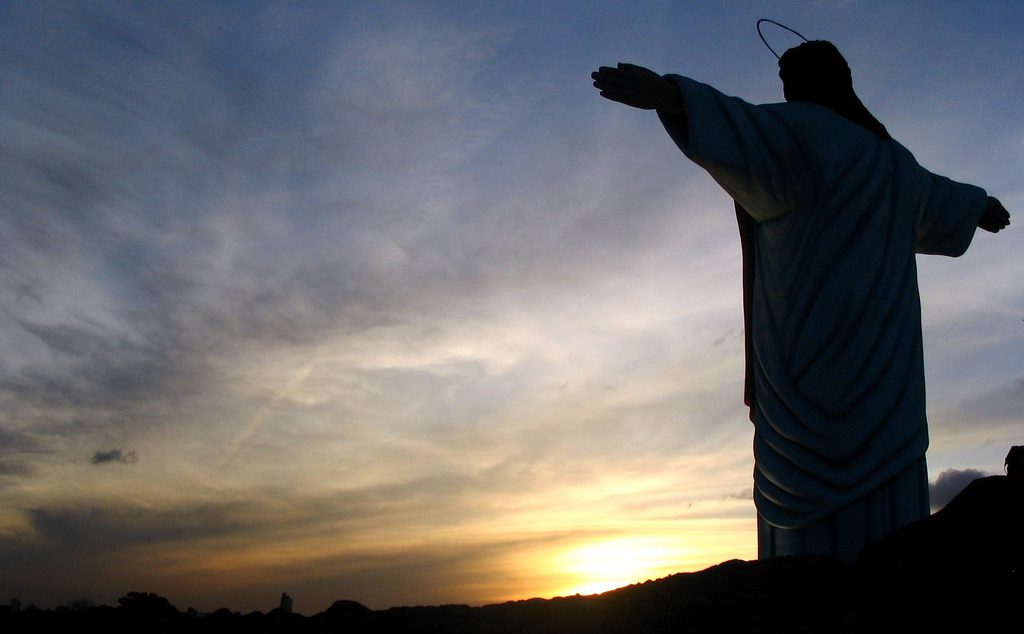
pixel 606 565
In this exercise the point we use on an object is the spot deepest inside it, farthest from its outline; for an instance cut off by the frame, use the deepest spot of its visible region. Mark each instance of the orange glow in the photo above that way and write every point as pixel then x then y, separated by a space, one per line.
pixel 606 565
pixel 610 561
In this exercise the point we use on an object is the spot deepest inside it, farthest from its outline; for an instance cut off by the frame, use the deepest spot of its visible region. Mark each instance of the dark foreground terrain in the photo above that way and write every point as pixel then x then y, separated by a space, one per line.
pixel 780 595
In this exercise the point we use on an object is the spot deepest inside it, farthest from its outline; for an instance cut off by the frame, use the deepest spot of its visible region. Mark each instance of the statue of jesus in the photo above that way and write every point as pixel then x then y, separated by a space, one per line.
pixel 831 211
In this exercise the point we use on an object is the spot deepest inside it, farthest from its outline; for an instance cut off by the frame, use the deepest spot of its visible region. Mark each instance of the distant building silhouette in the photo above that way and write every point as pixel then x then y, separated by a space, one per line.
pixel 286 603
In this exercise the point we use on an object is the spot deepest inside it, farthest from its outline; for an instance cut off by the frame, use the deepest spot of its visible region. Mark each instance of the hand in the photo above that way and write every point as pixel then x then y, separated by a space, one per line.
pixel 638 87
pixel 995 217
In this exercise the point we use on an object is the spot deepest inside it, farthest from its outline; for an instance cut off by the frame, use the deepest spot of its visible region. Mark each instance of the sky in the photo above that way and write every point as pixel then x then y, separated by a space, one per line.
pixel 381 301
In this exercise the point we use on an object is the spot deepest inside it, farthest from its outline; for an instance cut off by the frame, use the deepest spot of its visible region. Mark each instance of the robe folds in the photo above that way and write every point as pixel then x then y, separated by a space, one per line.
pixel 832 217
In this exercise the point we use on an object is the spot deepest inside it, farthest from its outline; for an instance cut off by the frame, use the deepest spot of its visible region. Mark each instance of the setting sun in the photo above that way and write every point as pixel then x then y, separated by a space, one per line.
pixel 606 565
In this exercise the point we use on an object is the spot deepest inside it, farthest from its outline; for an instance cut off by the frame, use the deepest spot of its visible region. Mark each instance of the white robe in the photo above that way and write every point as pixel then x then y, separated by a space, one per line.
pixel 838 368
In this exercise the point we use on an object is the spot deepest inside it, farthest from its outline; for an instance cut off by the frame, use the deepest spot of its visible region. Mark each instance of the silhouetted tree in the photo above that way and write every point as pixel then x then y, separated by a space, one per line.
pixel 147 603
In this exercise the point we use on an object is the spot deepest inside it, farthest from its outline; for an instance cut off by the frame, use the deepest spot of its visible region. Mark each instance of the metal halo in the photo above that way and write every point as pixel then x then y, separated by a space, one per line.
pixel 796 33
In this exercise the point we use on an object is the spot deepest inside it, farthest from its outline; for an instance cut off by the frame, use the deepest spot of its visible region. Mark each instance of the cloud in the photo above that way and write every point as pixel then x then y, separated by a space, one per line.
pixel 994 405
pixel 155 254
pixel 949 483
pixel 13 472
pixel 91 529
pixel 745 494
pixel 116 456
pixel 99 550
pixel 980 410
pixel 16 451
pixel 18 442
pixel 96 204
pixel 14 468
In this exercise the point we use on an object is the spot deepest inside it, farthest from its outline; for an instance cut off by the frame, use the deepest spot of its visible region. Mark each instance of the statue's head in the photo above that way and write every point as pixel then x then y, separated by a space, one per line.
pixel 816 72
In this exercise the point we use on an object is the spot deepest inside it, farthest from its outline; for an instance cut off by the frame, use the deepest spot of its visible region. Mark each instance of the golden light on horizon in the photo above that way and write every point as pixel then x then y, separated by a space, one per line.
pixel 605 565
pixel 603 562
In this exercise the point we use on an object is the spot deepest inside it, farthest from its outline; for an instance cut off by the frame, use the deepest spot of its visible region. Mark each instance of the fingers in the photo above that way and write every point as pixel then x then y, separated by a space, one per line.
pixel 633 68
pixel 994 222
pixel 614 88
pixel 607 81
pixel 623 71
pixel 626 77
pixel 611 77
pixel 622 94
pixel 619 98
pixel 995 218
pixel 629 84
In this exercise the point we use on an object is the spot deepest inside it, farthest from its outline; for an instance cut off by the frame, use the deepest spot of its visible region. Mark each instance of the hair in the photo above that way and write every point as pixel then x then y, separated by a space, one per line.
pixel 816 72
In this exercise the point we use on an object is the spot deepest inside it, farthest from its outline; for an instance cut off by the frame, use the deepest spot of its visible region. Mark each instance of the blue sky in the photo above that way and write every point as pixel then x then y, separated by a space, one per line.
pixel 381 301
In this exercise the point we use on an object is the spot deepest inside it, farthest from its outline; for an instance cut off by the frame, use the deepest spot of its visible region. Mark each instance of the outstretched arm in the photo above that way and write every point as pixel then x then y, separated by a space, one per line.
pixel 995 217
pixel 639 87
